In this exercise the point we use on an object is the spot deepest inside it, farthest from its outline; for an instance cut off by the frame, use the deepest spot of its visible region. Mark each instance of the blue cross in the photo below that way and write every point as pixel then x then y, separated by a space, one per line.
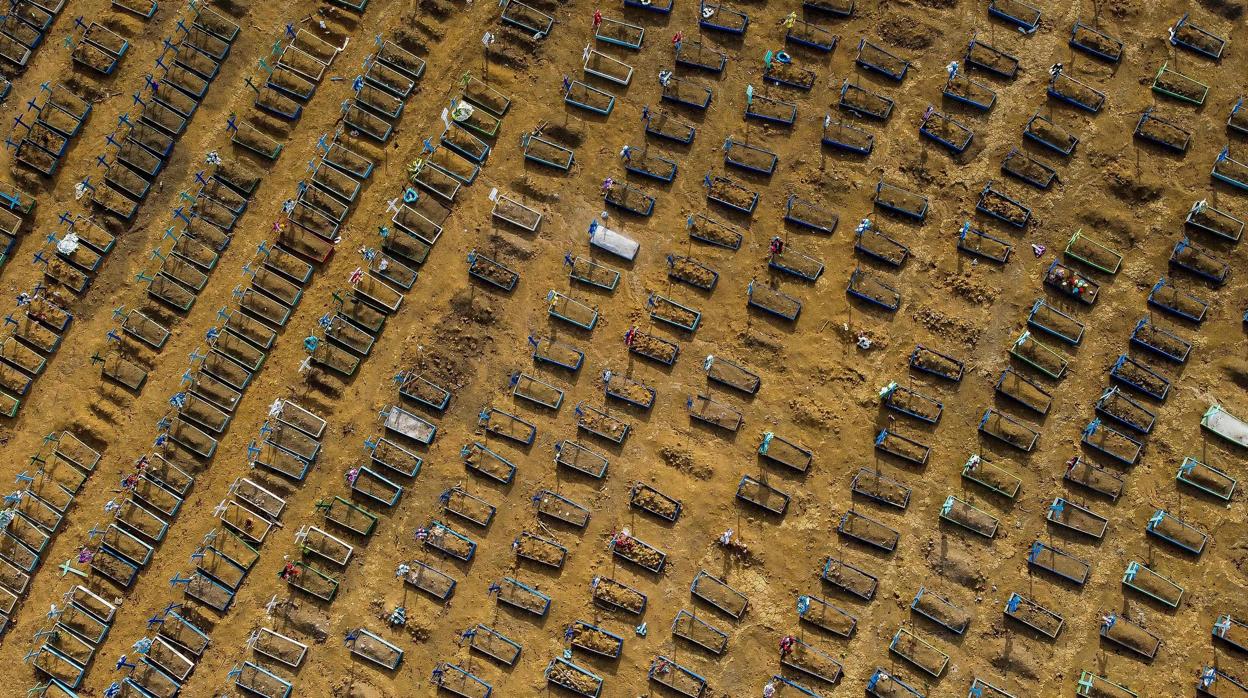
pixel 123 664
pixel 66 218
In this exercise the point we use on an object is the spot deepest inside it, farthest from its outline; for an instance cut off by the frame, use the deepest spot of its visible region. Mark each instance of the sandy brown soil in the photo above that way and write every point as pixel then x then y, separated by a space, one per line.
pixel 818 388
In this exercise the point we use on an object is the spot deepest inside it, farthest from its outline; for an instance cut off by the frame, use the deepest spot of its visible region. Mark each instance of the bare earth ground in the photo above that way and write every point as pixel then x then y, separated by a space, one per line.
pixel 818 388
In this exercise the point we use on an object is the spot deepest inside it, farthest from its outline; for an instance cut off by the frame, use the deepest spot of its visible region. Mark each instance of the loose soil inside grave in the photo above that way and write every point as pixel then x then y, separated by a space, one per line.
pixel 643 555
pixel 630 390
pixel 1183 535
pixel 944 128
pixel 1051 133
pixel 1208 478
pixel 1025 167
pixel 652 500
pixel 732 193
pixel 1032 614
pixel 1067 87
pixel 619 31
pixel 942 611
pixel 924 655
pixel 1172 297
pixel 1096 41
pixel 1198 259
pixel 1171 82
pixel 1011 432
pixel 593 639
pixel 602 424
pixel 715 232
pixel 1001 206
pixel 492 271
pixel 1094 253
pixel 1133 636
pixel 813 661
pixel 673 313
pixel 1152 583
pixel 616 594
pixel 565 675
pixel 1165 132
pixel 691 272
pixel 653 347
pixel 1190 35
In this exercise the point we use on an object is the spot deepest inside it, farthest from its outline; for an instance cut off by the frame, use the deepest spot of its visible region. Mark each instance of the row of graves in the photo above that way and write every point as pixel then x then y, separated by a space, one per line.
pixel 275 276
pixel 22 31
pixel 338 343
pixel 116 551
pixel 33 513
pixel 285 83
pixel 1124 414
pixel 487 458
pixel 42 135
pixel 72 256
pixel 212 388
pixel 190 60
pixel 1056 315
pixel 55 116
pixel 17 208
pixel 202 411
pixel 184 260
pixel 290 440
pixel 251 513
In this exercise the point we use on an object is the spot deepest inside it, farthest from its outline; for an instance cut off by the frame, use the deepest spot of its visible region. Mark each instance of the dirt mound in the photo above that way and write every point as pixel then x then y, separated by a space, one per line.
pixel 907 33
